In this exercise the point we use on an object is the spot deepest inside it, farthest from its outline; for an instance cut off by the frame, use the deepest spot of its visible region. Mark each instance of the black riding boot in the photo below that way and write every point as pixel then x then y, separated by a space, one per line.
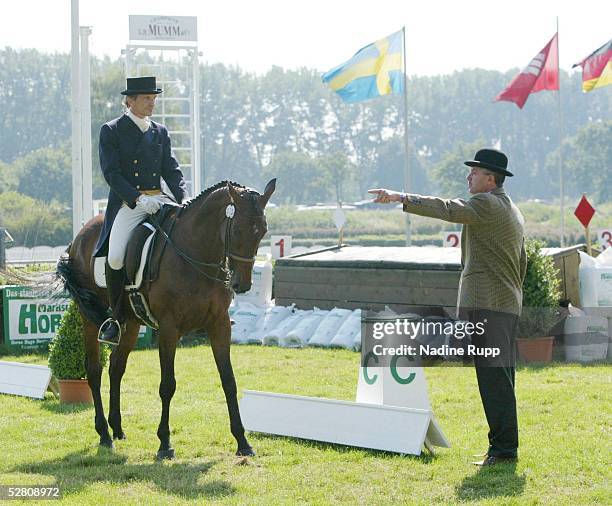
pixel 110 330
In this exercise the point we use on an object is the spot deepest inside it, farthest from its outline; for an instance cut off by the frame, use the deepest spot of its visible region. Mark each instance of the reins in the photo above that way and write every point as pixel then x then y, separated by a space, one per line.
pixel 227 253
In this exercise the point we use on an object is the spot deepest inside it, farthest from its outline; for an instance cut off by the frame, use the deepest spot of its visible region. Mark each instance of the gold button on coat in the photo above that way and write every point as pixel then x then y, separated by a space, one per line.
pixel 138 187
pixel 135 161
pixel 136 174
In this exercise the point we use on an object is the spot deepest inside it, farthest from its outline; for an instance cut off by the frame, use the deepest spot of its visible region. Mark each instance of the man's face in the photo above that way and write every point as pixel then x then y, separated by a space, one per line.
pixel 479 181
pixel 142 105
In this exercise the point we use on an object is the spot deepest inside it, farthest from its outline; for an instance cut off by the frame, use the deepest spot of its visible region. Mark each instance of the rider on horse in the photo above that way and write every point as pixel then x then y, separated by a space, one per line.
pixel 135 153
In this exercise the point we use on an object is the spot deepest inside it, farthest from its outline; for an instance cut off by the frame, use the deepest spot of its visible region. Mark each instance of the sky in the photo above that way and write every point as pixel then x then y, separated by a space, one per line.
pixel 441 36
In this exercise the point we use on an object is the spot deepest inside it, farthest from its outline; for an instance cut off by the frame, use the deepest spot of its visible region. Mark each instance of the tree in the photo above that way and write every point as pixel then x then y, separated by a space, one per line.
pixel 35 223
pixel 588 163
pixel 46 175
pixel 301 179
pixel 449 174
pixel 8 178
pixel 247 120
pixel 340 173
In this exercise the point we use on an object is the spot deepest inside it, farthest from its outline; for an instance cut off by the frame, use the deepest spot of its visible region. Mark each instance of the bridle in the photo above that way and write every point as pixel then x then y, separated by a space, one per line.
pixel 223 265
pixel 230 210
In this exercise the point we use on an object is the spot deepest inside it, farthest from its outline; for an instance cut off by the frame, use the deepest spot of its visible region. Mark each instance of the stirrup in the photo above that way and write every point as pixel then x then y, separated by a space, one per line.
pixel 109 321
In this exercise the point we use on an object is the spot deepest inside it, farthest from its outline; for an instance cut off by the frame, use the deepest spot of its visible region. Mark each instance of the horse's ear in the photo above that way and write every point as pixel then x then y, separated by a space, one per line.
pixel 233 193
pixel 270 187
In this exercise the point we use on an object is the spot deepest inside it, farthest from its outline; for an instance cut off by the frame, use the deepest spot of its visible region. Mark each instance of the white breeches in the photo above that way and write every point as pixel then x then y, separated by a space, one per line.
pixel 125 222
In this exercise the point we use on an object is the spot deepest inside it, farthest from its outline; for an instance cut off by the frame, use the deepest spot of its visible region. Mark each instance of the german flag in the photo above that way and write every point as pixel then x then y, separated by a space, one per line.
pixel 597 68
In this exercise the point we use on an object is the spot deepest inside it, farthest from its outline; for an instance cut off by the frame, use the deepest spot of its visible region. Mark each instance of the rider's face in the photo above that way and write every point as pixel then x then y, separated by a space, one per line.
pixel 142 105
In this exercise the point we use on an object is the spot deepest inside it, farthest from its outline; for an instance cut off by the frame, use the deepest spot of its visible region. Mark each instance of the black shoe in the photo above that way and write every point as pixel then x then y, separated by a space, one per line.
pixel 110 332
pixel 493 460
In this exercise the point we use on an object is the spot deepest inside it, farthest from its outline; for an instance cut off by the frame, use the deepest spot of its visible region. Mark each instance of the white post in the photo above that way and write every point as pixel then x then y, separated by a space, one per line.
pixel 86 125
pixel 195 155
pixel 407 175
pixel 561 178
pixel 75 109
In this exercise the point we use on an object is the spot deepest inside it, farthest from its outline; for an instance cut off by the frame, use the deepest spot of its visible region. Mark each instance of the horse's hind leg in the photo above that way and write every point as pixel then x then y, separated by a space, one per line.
pixel 94 378
pixel 220 336
pixel 118 361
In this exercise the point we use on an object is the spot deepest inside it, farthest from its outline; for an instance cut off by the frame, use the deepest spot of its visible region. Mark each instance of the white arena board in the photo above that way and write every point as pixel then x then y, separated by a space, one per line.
pixel 24 379
pixel 375 426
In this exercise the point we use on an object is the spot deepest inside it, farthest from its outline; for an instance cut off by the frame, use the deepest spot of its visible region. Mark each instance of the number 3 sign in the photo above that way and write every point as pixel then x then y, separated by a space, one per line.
pixel 605 238
pixel 451 240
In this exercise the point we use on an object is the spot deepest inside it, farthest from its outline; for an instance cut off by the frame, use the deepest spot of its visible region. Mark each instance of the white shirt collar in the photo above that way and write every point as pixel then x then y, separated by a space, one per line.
pixel 142 123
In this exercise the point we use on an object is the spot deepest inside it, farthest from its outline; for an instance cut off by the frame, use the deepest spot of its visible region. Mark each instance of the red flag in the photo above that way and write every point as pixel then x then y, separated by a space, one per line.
pixel 584 211
pixel 542 73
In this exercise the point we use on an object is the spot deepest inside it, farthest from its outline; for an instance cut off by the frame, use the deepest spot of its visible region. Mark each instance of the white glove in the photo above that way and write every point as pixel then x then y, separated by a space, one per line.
pixel 149 205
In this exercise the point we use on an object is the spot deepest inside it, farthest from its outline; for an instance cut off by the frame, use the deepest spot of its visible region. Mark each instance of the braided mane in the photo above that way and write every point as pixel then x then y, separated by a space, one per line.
pixel 205 193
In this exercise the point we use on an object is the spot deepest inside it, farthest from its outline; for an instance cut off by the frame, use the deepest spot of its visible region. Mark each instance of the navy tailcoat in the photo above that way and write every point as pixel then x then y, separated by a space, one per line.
pixel 132 162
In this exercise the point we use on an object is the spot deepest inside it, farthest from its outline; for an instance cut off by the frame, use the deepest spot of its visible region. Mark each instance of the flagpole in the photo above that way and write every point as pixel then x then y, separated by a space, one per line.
pixel 560 122
pixel 407 175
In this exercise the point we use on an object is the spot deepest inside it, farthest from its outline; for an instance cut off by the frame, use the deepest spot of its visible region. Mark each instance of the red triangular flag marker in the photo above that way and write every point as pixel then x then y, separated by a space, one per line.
pixel 584 212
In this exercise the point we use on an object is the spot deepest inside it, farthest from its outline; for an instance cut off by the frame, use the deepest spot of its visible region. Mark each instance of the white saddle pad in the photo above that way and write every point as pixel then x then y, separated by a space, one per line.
pixel 99 263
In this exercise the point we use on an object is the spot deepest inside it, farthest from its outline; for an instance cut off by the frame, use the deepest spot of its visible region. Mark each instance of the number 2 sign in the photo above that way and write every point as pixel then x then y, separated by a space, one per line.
pixel 604 237
pixel 451 240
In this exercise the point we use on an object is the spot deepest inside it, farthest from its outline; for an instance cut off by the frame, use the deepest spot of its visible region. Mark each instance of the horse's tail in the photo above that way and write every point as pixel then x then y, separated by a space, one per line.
pixel 87 300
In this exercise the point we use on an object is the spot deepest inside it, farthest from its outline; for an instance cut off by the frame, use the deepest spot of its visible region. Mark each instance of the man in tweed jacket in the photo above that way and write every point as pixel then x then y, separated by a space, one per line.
pixel 493 264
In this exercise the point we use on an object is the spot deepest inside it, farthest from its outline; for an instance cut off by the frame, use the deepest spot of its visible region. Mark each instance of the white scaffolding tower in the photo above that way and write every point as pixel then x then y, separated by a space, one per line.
pixel 175 65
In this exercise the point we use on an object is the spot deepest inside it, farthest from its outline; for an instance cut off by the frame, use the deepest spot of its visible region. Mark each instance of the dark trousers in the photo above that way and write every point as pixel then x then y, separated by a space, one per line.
pixel 496 379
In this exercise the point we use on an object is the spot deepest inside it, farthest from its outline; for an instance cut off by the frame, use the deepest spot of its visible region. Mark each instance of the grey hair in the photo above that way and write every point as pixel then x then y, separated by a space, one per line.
pixel 499 178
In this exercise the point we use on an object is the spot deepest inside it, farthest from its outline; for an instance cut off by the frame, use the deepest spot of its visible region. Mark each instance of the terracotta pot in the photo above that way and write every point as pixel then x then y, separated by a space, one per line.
pixel 73 391
pixel 535 349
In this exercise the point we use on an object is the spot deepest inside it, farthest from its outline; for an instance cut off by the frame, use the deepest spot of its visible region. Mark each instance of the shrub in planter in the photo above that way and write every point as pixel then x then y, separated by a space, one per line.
pixel 67 351
pixel 541 294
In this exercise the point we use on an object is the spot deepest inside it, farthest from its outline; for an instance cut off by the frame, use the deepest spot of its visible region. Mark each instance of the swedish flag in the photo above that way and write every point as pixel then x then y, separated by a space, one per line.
pixel 375 70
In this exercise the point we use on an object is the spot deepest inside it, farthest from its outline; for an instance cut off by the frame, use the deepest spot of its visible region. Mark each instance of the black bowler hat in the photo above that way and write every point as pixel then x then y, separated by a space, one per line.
pixel 141 86
pixel 491 159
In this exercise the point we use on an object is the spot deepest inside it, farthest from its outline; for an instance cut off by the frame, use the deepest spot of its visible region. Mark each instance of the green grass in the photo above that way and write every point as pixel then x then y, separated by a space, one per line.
pixel 564 417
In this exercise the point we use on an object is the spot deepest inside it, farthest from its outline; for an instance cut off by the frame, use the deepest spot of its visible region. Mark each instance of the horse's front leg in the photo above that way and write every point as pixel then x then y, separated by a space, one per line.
pixel 94 379
pixel 167 387
pixel 118 362
pixel 220 337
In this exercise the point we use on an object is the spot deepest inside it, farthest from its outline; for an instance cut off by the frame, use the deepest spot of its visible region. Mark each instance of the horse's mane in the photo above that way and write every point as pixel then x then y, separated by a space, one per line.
pixel 205 193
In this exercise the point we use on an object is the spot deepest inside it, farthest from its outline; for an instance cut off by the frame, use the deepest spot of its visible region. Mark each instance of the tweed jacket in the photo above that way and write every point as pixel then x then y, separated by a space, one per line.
pixel 133 162
pixel 493 257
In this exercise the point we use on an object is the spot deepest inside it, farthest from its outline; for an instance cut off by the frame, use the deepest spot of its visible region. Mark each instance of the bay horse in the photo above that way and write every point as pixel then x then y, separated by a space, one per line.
pixel 209 253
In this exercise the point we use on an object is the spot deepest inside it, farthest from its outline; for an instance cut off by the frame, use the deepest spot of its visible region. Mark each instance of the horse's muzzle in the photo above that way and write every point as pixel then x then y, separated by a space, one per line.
pixel 241 288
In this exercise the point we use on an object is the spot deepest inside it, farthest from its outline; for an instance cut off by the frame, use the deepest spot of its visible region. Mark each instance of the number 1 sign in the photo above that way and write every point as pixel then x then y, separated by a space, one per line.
pixel 281 246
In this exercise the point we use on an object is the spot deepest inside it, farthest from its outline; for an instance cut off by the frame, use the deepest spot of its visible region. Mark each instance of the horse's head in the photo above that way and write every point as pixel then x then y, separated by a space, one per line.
pixel 248 226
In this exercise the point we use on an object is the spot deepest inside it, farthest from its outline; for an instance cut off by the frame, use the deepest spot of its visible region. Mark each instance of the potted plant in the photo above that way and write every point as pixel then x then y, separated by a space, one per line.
pixel 541 295
pixel 67 358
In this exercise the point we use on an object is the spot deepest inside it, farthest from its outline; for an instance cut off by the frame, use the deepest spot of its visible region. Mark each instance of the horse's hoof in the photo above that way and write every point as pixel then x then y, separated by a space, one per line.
pixel 107 443
pixel 165 454
pixel 120 435
pixel 245 452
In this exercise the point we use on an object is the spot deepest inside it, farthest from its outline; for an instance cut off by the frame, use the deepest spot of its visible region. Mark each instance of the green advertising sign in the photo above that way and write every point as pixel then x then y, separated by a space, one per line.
pixel 32 317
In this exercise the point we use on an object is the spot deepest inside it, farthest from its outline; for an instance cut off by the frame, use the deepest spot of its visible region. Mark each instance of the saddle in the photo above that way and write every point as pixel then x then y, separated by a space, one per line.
pixel 141 265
